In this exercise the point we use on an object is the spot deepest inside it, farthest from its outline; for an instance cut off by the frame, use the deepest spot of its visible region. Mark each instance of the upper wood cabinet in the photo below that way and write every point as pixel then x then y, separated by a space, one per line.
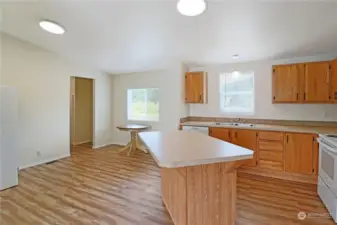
pixel 334 80
pixel 286 82
pixel 196 87
pixel 246 139
pixel 317 82
pixel 314 82
pixel 300 153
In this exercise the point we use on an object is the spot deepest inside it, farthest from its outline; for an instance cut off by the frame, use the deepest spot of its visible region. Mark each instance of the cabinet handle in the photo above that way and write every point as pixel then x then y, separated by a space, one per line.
pixel 304 95
pixel 287 138
pixel 229 135
pixel 297 96
pixel 236 134
pixel 200 98
pixel 328 76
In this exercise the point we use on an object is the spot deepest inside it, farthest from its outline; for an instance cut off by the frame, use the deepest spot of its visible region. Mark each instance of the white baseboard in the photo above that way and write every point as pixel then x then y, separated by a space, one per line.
pixel 81 142
pixel 112 143
pixel 42 161
pixel 101 146
pixel 120 143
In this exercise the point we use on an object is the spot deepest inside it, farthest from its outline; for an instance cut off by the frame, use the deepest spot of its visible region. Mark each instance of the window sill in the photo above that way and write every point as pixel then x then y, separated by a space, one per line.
pixel 143 121
pixel 226 113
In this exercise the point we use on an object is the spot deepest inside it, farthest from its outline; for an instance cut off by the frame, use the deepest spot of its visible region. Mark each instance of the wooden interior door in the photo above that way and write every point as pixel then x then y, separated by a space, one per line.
pixel 286 82
pixel 299 153
pixel 246 139
pixel 194 87
pixel 317 82
pixel 220 133
pixel 72 110
pixel 334 80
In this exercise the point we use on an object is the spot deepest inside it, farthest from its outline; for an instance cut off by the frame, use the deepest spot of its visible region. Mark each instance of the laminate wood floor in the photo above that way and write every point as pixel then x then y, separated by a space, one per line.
pixel 106 188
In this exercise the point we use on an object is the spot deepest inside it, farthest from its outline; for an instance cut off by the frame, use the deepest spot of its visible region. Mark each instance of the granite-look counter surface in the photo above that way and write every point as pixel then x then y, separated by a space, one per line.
pixel 283 128
pixel 179 149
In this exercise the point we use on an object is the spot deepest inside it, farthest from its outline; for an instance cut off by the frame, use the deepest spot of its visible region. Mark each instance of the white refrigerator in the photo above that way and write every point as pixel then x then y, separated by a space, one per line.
pixel 9 157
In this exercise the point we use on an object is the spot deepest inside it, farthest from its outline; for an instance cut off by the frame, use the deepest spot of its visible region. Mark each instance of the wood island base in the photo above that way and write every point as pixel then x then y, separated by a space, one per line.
pixel 202 194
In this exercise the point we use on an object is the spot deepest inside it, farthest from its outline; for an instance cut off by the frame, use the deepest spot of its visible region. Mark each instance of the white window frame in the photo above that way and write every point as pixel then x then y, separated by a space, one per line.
pixel 129 103
pixel 235 111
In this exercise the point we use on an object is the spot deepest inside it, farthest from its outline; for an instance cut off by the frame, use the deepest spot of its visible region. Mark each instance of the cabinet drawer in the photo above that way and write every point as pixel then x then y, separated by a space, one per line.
pixel 271 165
pixel 271 146
pixel 220 133
pixel 271 136
pixel 271 155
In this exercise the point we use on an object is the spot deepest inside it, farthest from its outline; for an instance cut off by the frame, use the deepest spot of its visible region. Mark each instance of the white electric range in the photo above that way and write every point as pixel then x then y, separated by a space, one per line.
pixel 327 180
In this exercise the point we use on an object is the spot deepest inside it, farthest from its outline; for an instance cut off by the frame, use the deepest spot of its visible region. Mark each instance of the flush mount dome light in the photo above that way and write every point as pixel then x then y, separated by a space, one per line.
pixel 191 7
pixel 51 27
pixel 235 56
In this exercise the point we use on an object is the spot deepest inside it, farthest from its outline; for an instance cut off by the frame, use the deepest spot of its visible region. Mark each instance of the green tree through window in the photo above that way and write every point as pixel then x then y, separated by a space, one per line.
pixel 143 104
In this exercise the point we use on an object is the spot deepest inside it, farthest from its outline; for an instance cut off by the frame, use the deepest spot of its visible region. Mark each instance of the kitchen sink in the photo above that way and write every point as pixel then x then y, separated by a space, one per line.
pixel 235 124
pixel 224 124
pixel 244 125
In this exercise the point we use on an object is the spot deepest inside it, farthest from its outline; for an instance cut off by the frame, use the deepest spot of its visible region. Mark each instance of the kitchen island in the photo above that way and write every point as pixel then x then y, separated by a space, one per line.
pixel 198 176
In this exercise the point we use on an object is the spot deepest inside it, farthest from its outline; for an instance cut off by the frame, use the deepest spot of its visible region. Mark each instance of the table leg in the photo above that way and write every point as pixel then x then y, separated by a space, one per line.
pixel 140 145
pixel 134 144
pixel 126 147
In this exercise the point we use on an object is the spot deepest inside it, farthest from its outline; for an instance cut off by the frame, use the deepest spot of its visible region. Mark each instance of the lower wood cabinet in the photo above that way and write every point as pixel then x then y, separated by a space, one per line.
pixel 240 137
pixel 221 133
pixel 246 139
pixel 289 156
pixel 271 150
pixel 300 150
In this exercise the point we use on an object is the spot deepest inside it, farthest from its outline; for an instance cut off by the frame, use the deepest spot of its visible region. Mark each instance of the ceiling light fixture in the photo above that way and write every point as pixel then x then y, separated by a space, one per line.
pixel 235 56
pixel 51 27
pixel 191 7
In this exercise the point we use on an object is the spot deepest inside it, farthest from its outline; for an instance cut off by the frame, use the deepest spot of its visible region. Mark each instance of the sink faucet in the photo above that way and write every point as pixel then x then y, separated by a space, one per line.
pixel 237 120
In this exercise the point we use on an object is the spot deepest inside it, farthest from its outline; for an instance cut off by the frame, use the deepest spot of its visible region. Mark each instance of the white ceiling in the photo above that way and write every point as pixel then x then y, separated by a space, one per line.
pixel 128 36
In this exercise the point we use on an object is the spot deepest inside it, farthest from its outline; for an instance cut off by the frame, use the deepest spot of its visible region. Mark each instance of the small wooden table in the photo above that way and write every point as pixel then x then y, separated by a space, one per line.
pixel 134 144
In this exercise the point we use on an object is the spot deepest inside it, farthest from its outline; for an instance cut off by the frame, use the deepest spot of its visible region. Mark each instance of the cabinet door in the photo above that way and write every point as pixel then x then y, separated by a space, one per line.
pixel 317 82
pixel 194 87
pixel 299 153
pixel 315 154
pixel 334 80
pixel 286 82
pixel 220 133
pixel 246 139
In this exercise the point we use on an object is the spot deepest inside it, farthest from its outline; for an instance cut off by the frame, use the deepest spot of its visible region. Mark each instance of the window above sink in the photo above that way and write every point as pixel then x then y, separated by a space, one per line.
pixel 237 93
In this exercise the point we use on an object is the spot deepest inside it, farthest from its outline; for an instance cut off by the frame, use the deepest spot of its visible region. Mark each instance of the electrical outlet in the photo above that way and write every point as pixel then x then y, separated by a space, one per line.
pixel 326 114
pixel 38 153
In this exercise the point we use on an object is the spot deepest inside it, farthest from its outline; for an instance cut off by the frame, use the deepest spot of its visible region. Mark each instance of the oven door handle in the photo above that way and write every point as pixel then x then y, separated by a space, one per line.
pixel 327 147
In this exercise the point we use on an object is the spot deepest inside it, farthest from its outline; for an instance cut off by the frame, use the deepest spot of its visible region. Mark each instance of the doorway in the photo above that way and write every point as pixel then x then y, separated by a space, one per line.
pixel 81 112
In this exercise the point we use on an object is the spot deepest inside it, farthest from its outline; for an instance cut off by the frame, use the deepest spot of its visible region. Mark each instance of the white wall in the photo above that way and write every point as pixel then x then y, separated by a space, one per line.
pixel 171 100
pixel 43 82
pixel 264 109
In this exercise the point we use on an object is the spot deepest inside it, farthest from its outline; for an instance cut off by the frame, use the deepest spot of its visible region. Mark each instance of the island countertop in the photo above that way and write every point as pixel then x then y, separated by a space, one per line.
pixel 179 149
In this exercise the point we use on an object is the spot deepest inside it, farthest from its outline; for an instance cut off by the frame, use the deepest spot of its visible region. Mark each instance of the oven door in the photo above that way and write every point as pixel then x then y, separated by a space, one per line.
pixel 328 165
